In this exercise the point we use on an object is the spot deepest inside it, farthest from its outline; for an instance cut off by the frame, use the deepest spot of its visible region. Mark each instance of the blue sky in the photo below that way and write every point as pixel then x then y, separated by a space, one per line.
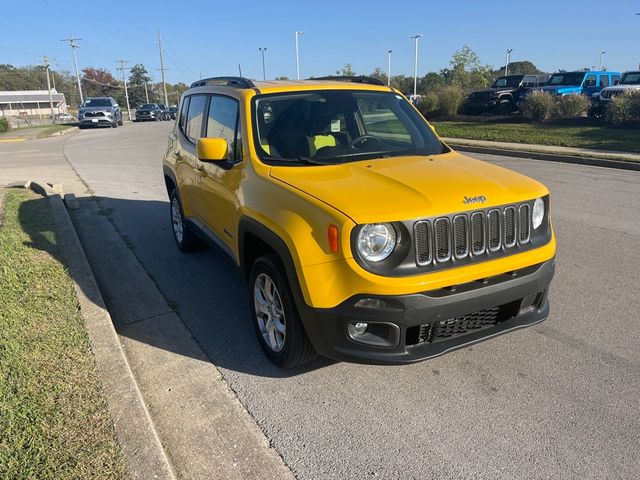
pixel 212 37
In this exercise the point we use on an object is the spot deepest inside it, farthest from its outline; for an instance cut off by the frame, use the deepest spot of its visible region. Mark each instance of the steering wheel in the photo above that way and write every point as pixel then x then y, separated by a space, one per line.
pixel 363 138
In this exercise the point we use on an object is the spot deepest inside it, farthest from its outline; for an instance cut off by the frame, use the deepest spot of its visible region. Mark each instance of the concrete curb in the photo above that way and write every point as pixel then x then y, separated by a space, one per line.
pixel 552 157
pixel 139 441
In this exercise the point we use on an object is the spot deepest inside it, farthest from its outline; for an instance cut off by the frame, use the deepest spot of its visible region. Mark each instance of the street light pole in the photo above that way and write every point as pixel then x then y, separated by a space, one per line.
pixel 508 61
pixel 264 75
pixel 298 33
pixel 389 69
pixel 601 58
pixel 415 65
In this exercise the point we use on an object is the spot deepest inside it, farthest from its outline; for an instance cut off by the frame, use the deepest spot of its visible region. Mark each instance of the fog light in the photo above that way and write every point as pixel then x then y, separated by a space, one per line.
pixel 374 303
pixel 358 328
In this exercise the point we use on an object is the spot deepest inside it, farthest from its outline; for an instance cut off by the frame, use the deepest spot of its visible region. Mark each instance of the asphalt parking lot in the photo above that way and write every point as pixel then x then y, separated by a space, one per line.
pixel 558 400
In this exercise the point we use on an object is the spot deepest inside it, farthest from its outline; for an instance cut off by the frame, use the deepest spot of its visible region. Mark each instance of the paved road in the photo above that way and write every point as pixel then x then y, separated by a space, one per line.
pixel 559 400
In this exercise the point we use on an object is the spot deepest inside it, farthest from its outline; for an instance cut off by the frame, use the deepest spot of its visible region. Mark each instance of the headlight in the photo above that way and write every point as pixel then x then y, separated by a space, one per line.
pixel 538 213
pixel 108 113
pixel 376 241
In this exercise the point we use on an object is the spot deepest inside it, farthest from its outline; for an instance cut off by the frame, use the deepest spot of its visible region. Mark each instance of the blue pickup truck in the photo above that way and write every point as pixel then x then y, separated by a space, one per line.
pixel 586 83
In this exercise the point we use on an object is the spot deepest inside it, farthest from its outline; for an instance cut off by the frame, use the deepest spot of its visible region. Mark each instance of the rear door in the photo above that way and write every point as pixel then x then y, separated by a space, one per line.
pixel 188 168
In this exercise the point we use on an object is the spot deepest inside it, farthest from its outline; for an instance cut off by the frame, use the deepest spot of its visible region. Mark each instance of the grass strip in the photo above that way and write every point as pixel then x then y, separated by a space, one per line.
pixel 54 422
pixel 592 137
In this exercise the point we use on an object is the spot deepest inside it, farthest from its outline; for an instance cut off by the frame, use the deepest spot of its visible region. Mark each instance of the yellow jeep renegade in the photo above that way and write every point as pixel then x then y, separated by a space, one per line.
pixel 362 235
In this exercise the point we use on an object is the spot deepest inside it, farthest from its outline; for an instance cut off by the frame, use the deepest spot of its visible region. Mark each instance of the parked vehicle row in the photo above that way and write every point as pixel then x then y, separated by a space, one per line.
pixel 628 82
pixel 153 112
pixel 508 92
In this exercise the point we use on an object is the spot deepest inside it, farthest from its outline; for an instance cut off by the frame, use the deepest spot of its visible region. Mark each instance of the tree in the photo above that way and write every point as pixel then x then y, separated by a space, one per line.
pixel 346 71
pixel 98 82
pixel 379 74
pixel 282 78
pixel 466 71
pixel 138 79
pixel 520 68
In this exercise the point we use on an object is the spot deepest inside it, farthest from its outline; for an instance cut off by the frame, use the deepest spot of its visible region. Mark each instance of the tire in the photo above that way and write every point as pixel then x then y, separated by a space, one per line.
pixel 82 127
pixel 284 342
pixel 120 122
pixel 505 108
pixel 114 125
pixel 185 239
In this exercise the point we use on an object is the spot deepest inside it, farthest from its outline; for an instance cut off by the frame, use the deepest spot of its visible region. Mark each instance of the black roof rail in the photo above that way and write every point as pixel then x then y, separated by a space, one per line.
pixel 238 82
pixel 351 78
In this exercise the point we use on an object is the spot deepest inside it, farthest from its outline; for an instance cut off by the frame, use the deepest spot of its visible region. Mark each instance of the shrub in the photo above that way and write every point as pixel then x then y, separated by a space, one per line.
pixel 539 106
pixel 624 108
pixel 4 125
pixel 450 100
pixel 429 104
pixel 572 106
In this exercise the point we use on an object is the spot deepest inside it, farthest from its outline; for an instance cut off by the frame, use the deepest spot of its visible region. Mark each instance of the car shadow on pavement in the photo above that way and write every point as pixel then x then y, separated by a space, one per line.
pixel 206 290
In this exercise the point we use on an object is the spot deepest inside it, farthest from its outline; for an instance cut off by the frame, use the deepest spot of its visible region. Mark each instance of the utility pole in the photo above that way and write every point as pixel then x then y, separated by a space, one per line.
pixel 298 33
pixel 45 63
pixel 124 80
pixel 72 43
pixel 162 69
pixel 508 61
pixel 415 66
pixel 601 58
pixel 146 92
pixel 264 75
pixel 389 69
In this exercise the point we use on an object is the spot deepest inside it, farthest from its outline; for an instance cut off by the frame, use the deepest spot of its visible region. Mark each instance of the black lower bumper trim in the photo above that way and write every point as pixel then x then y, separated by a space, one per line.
pixel 329 330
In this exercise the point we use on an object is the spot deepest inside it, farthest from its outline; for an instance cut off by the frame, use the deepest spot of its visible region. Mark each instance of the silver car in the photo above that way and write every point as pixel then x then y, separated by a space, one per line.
pixel 96 111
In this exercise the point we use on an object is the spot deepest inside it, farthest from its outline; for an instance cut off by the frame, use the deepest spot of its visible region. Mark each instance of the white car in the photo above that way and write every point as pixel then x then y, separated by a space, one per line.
pixel 628 81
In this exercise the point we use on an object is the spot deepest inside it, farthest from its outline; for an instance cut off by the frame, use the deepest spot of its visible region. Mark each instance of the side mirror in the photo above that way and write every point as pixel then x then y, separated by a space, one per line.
pixel 212 149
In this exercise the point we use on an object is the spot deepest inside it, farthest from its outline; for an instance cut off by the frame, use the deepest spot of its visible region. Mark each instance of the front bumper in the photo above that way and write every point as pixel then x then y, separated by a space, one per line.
pixel 94 121
pixel 396 329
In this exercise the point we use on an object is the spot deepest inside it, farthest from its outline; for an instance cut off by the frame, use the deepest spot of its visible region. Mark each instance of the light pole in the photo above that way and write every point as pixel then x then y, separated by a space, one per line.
pixel 415 65
pixel 262 50
pixel 389 69
pixel 508 61
pixel 601 58
pixel 298 33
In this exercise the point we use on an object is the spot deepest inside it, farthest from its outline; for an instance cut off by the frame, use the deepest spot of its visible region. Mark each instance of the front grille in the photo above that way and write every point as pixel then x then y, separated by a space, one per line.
pixel 480 96
pixel 456 326
pixel 472 235
pixel 94 114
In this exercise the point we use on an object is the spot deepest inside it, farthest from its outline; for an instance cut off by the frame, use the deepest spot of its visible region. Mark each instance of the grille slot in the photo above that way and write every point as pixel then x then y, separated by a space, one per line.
pixel 477 233
pixel 509 226
pixel 460 236
pixel 424 240
pixel 493 227
pixel 442 236
pixel 524 222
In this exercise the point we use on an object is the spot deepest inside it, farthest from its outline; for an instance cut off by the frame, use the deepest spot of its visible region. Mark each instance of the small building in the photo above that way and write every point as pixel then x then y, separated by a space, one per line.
pixel 31 103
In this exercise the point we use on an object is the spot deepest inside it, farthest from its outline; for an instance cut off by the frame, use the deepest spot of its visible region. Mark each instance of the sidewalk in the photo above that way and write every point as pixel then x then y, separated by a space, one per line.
pixel 546 149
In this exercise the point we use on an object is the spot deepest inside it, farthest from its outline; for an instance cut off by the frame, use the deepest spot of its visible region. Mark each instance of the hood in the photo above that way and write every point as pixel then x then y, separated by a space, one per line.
pixel 405 188
pixel 560 89
pixel 619 88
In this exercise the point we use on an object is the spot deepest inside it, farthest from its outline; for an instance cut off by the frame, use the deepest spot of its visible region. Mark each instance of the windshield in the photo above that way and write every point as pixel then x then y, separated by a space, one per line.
pixel 630 78
pixel 337 126
pixel 161 106
pixel 149 106
pixel 97 102
pixel 572 79
pixel 511 82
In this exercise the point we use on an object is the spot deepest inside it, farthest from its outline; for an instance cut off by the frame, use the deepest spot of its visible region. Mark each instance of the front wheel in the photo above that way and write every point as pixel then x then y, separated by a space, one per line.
pixel 276 319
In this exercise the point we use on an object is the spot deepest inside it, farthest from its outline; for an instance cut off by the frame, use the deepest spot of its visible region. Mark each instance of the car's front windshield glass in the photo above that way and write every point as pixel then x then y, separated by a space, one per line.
pixel 148 105
pixel 572 79
pixel 97 102
pixel 631 78
pixel 338 126
pixel 509 82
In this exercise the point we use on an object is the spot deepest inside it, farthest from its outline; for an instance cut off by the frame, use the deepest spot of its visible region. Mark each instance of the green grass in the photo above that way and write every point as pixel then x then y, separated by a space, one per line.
pixel 54 422
pixel 596 137
pixel 51 129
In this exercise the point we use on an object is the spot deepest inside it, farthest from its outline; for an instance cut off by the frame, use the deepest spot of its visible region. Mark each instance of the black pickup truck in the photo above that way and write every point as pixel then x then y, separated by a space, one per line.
pixel 503 96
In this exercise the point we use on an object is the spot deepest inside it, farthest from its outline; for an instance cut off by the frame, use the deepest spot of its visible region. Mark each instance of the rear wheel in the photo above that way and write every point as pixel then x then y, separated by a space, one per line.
pixel 185 239
pixel 276 319
pixel 120 122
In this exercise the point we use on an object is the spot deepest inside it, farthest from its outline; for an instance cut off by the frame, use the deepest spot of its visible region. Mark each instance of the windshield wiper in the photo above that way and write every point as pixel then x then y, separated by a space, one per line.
pixel 299 159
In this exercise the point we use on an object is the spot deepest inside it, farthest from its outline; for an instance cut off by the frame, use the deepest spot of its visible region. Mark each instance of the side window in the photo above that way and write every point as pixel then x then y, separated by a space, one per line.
pixel 590 81
pixel 222 122
pixel 615 79
pixel 604 81
pixel 194 117
pixel 529 81
pixel 183 115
